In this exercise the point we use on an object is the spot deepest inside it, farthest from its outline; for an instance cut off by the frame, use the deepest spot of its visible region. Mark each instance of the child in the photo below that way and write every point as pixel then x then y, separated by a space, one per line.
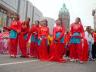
pixel 1 43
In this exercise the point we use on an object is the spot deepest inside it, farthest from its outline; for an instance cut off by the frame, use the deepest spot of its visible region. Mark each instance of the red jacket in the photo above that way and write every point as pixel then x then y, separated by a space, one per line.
pixel 94 36
pixel 77 28
pixel 33 31
pixel 24 28
pixel 15 25
pixel 43 31
pixel 58 29
pixel 67 38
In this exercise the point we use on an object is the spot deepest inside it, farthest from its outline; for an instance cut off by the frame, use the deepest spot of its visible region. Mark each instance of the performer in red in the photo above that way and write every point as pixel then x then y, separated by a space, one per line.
pixel 57 46
pixel 84 52
pixel 77 33
pixel 14 30
pixel 34 40
pixel 23 37
pixel 94 46
pixel 43 42
pixel 66 42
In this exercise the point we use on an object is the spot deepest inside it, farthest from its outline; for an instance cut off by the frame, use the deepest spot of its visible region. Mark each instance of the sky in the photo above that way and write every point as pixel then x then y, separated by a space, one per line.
pixel 77 8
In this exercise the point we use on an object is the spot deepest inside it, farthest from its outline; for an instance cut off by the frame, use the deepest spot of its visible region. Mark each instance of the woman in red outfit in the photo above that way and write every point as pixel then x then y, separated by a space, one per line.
pixel 23 38
pixel 43 42
pixel 94 46
pixel 14 30
pixel 34 40
pixel 57 46
pixel 66 42
pixel 84 52
pixel 77 33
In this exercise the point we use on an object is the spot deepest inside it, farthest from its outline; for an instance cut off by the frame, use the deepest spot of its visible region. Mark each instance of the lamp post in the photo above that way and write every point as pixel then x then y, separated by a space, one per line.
pixel 33 12
pixel 33 15
pixel 94 17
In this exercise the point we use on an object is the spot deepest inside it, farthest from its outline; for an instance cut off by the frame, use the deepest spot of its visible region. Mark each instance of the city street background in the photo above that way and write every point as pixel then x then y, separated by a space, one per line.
pixel 68 10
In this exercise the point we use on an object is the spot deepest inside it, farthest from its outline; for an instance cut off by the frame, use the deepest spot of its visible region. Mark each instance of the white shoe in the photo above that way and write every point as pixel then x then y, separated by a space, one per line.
pixel 72 60
pixel 81 62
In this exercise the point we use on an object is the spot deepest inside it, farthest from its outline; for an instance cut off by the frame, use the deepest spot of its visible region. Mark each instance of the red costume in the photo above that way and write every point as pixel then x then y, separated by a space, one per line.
pixel 66 42
pixel 67 38
pixel 57 46
pixel 43 43
pixel 23 38
pixel 94 46
pixel 84 52
pixel 77 32
pixel 34 41
pixel 94 36
pixel 15 28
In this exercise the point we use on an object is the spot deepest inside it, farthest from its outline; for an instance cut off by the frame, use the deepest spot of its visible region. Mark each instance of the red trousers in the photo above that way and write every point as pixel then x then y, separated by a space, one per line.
pixel 13 46
pixel 56 52
pixel 75 51
pixel 84 56
pixel 43 51
pixel 34 49
pixel 22 45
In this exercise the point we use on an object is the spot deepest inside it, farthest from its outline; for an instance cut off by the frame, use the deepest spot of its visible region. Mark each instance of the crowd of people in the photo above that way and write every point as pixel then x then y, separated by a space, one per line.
pixel 4 38
pixel 76 45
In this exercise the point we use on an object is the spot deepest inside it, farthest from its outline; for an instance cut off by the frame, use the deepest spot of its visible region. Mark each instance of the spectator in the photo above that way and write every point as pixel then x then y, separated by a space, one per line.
pixel 90 40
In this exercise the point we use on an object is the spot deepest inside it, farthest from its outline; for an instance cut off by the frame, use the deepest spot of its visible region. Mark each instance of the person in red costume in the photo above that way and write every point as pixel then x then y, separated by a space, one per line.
pixel 23 38
pixel 14 30
pixel 77 33
pixel 66 42
pixel 43 42
pixel 57 46
pixel 84 52
pixel 94 46
pixel 34 39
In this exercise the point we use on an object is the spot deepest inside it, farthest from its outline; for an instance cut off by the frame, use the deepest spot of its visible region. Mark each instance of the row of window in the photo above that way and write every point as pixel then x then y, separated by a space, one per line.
pixel 5 20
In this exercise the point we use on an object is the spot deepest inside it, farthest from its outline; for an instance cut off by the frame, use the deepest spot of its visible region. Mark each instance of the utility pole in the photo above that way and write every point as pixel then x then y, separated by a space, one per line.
pixel 26 9
pixel 33 11
pixel 94 17
pixel 18 7
pixel 33 15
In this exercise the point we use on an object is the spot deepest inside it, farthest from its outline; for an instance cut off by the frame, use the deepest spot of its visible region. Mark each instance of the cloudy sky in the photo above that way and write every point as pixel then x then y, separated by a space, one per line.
pixel 77 8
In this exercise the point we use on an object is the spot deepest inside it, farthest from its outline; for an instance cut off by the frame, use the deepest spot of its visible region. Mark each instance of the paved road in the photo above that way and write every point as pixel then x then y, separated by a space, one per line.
pixel 32 65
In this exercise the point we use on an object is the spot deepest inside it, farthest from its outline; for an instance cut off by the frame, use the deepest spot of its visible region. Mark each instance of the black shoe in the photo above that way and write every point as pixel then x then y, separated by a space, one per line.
pixel 22 56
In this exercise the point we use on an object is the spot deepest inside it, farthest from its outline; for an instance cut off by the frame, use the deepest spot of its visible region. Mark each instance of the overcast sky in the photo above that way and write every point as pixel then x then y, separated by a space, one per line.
pixel 77 8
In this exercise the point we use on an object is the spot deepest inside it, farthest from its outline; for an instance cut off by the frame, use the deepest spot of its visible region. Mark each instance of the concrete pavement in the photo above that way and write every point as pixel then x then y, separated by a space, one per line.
pixel 8 64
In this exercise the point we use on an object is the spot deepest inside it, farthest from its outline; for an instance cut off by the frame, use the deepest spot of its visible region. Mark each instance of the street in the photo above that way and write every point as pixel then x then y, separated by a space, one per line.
pixel 8 64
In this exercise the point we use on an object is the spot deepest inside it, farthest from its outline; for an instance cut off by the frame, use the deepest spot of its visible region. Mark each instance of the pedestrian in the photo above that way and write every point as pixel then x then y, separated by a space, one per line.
pixel 43 40
pixel 84 52
pixel 23 35
pixel 77 33
pixel 1 43
pixel 14 30
pixel 66 42
pixel 90 40
pixel 50 39
pixel 34 40
pixel 5 41
pixel 57 46
pixel 94 46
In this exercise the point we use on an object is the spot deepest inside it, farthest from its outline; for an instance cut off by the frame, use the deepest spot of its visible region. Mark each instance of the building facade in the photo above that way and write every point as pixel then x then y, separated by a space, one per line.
pixel 65 16
pixel 94 17
pixel 9 8
pixel 51 23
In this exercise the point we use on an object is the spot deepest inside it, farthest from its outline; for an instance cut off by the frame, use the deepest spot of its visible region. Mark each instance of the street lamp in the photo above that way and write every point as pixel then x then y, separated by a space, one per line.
pixel 33 11
pixel 94 17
